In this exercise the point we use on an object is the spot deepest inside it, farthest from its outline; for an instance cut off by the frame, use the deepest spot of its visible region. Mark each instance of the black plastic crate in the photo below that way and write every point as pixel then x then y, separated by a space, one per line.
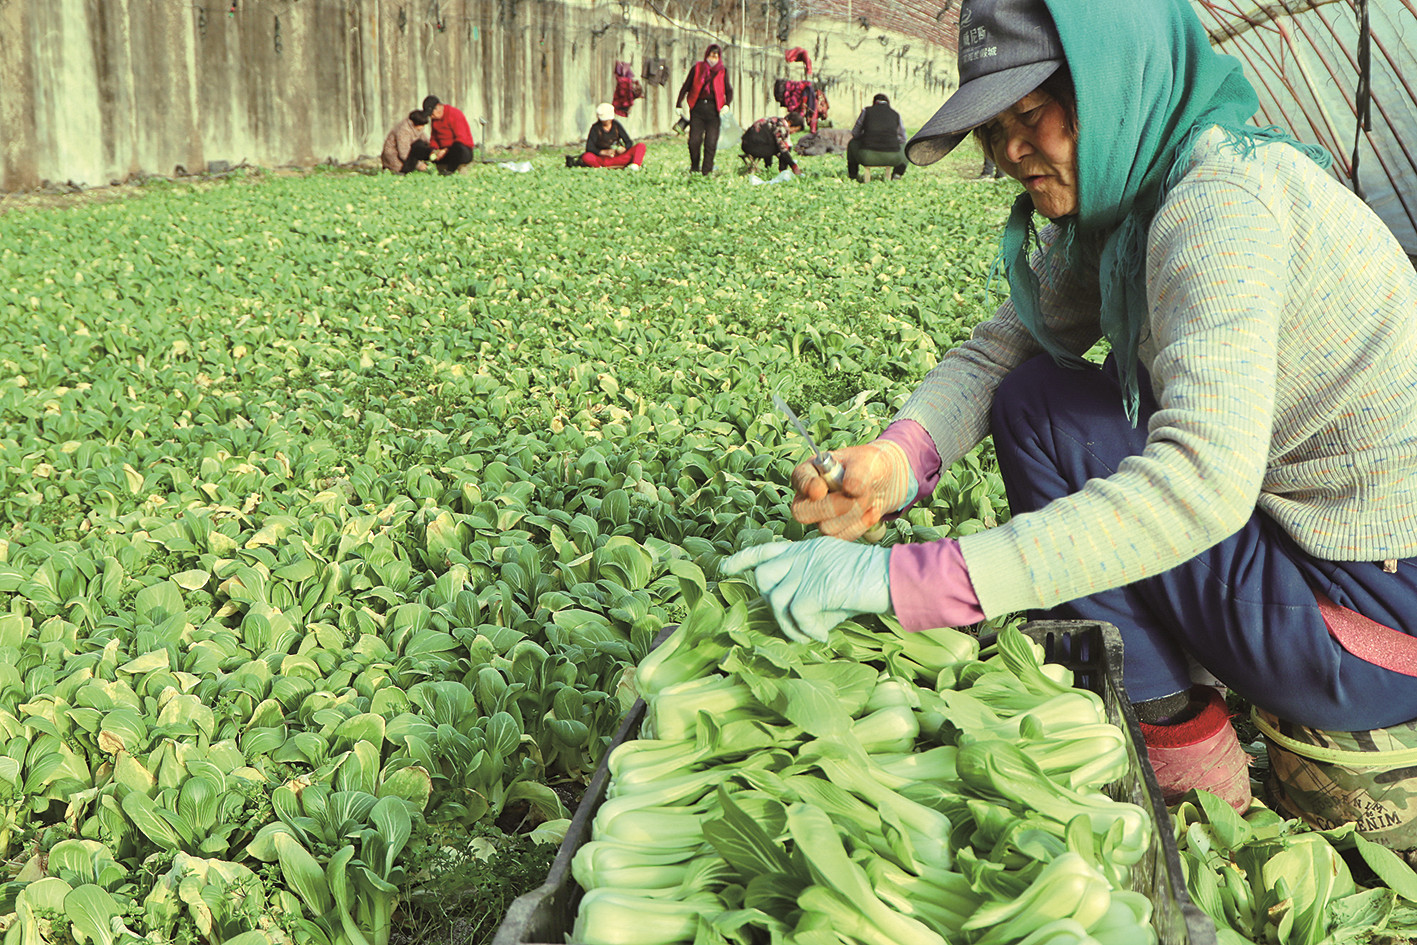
pixel 1091 649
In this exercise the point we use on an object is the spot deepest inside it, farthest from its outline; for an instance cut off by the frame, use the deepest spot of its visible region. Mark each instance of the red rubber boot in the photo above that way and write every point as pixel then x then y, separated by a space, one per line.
pixel 1201 752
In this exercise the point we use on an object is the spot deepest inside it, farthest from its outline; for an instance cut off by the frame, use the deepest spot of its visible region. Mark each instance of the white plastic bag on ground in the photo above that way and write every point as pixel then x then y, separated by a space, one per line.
pixel 781 178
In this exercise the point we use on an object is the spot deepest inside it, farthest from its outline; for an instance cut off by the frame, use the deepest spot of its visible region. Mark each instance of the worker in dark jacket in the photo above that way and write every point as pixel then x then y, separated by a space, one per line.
pixel 769 138
pixel 608 144
pixel 877 140
pixel 451 136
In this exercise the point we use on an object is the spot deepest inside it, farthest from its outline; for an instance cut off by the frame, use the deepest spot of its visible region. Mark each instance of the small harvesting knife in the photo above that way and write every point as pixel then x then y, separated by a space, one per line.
pixel 827 465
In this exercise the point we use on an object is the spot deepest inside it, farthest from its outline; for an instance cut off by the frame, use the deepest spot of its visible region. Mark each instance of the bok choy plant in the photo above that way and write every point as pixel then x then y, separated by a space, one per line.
pixel 286 483
pixel 1262 878
pixel 778 792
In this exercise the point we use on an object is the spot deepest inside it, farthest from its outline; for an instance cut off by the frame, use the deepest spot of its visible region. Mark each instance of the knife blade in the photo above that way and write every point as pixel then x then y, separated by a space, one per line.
pixel 827 465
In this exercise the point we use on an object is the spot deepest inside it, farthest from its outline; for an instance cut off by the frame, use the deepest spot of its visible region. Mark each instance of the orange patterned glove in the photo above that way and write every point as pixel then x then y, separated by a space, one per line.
pixel 877 481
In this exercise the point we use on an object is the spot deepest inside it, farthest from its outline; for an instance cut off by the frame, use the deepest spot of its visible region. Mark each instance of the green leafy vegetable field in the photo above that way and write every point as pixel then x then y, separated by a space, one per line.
pixel 336 507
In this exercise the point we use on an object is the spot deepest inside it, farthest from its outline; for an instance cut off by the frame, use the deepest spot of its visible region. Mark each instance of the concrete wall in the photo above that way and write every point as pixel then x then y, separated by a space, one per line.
pixel 95 91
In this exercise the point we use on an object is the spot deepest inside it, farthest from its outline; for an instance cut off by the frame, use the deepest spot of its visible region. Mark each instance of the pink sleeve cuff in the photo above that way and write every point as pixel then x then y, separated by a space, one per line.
pixel 924 459
pixel 930 586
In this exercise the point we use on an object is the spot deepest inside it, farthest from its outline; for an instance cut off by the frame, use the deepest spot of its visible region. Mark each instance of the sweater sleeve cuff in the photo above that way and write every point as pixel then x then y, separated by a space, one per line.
pixel 930 586
pixel 1006 584
pixel 924 460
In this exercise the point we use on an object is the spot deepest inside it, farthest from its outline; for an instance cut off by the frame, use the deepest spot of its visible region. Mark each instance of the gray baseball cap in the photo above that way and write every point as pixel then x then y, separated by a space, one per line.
pixel 1006 49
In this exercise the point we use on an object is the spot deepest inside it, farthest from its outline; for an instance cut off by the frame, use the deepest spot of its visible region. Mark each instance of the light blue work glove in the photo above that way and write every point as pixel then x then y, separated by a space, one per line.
pixel 816 584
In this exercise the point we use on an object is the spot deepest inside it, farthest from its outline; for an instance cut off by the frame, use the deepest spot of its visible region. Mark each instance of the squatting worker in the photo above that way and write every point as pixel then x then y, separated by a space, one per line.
pixel 1239 480
pixel 771 137
pixel 877 140
pixel 406 146
pixel 707 92
pixel 451 136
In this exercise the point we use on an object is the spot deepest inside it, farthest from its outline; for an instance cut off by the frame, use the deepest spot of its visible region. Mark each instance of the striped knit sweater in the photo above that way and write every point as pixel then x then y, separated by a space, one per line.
pixel 1282 347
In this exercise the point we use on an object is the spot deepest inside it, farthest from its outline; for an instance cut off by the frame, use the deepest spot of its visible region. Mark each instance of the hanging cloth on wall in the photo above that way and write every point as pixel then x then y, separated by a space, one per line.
pixel 806 99
pixel 801 96
pixel 798 54
pixel 627 89
pixel 656 71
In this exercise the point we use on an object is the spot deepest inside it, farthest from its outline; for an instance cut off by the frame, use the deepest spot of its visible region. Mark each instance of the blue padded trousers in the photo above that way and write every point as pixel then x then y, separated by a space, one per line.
pixel 1244 609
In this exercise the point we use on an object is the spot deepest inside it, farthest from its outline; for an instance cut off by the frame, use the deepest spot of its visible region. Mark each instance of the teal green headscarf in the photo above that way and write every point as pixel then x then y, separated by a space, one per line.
pixel 1147 83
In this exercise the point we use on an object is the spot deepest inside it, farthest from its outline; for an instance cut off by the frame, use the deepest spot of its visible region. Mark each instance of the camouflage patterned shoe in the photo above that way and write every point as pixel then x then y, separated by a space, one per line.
pixel 1200 752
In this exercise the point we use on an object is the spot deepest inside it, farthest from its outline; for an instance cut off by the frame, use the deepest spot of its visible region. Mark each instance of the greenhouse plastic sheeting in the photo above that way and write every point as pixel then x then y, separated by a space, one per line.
pixel 1303 59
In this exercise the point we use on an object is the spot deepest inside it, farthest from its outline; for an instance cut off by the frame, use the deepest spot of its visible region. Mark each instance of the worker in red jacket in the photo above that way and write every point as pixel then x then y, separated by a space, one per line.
pixel 706 92
pixel 450 136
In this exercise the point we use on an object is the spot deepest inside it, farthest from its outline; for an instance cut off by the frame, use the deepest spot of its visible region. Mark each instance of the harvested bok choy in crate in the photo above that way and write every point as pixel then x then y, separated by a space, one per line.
pixel 883 787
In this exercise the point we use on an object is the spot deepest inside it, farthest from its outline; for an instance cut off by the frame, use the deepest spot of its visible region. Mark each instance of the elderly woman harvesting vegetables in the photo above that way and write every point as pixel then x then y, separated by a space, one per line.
pixel 1238 482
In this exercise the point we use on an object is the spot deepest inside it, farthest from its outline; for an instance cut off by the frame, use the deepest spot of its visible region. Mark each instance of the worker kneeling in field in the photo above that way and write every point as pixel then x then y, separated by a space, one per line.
pixel 1238 480
pixel 608 144
pixel 771 137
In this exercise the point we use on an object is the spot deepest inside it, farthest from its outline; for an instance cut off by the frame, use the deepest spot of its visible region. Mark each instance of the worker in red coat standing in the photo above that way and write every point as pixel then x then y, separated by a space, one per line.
pixel 450 136
pixel 706 92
